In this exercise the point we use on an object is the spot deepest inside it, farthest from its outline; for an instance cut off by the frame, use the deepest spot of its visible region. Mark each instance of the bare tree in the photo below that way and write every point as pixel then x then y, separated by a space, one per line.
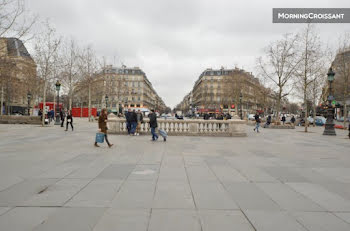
pixel 88 65
pixel 14 20
pixel 46 57
pixel 310 68
pixel 278 66
pixel 70 71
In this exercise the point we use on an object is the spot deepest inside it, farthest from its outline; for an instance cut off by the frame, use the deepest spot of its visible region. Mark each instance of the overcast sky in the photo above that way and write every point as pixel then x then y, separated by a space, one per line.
pixel 173 41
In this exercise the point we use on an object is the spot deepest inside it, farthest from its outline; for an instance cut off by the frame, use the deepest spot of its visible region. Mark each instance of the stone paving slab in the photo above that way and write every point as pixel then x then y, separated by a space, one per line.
pixel 274 180
pixel 135 195
pixel 174 220
pixel 71 219
pixel 98 193
pixel 123 220
pixel 289 199
pixel 316 221
pixel 272 220
pixel 19 193
pixel 174 194
pixel 205 192
pixel 24 218
pixel 249 196
pixel 330 201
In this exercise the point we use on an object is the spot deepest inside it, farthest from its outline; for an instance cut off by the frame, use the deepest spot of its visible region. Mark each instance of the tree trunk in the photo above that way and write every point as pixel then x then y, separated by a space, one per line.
pixel 44 104
pixel 345 114
pixel 278 108
pixel 306 108
pixel 54 104
pixel 2 99
pixel 89 113
pixel 314 114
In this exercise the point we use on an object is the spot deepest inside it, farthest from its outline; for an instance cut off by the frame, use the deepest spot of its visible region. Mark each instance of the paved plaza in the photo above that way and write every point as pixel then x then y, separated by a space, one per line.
pixel 277 180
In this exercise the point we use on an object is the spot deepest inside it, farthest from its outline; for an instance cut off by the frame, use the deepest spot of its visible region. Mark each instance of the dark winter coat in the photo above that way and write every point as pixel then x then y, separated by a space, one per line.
pixel 102 124
pixel 70 117
pixel 257 119
pixel 153 120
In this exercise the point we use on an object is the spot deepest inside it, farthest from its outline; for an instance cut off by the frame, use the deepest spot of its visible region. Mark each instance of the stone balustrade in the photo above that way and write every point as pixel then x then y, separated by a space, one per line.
pixel 196 127
pixel 13 119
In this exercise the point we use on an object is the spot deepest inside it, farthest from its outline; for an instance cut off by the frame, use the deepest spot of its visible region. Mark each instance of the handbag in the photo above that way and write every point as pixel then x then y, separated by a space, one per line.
pixel 69 120
pixel 99 137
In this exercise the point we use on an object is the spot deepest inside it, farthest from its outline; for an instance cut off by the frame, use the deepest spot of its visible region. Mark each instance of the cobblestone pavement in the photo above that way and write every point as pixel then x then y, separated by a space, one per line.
pixel 275 180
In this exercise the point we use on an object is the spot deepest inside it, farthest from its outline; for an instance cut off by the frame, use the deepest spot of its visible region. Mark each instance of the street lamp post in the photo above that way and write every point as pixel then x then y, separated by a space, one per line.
pixel 58 87
pixel 329 126
pixel 29 96
pixel 240 106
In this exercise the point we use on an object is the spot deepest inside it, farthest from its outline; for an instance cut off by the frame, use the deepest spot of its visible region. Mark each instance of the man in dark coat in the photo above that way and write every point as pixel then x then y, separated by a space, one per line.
pixel 283 119
pixel 153 124
pixel 133 121
pixel 128 120
pixel 62 115
pixel 257 122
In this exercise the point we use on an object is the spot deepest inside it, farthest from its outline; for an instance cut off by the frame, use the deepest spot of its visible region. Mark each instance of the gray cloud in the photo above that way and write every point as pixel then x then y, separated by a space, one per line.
pixel 174 41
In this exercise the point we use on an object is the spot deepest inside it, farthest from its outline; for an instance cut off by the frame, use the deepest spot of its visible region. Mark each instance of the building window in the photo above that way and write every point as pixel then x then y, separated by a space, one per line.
pixel 137 105
pixel 132 105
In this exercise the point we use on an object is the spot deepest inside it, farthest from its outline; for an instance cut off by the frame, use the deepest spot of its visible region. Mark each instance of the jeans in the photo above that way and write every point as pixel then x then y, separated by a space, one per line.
pixel 154 134
pixel 257 126
pixel 128 126
pixel 133 127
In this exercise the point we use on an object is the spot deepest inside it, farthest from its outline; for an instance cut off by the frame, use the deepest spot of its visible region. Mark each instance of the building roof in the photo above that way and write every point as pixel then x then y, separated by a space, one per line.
pixel 15 47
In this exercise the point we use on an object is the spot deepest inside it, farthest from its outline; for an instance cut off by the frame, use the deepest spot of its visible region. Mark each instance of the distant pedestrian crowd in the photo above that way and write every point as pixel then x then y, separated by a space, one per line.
pixel 134 121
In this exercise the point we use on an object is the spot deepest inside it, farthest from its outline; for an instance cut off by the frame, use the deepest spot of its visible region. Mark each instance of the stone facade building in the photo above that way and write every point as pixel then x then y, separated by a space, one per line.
pixel 17 76
pixel 341 85
pixel 226 90
pixel 125 88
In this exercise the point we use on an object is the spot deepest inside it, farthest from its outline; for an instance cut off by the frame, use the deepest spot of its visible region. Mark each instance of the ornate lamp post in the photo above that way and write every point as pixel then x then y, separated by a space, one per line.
pixel 240 106
pixel 58 87
pixel 329 127
pixel 29 96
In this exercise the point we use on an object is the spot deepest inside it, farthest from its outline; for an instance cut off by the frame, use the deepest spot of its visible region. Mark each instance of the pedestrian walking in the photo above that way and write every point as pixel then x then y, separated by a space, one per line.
pixel 153 124
pixel 62 116
pixel 257 122
pixel 268 122
pixel 283 119
pixel 69 120
pixel 102 125
pixel 139 122
pixel 292 120
pixel 128 116
pixel 133 122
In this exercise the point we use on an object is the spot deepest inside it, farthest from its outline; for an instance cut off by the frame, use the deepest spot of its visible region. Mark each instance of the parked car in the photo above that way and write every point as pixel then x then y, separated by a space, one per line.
pixel 251 117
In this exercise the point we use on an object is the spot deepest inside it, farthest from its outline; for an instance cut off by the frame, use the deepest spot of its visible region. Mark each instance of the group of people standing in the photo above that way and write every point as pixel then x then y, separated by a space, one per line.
pixel 133 122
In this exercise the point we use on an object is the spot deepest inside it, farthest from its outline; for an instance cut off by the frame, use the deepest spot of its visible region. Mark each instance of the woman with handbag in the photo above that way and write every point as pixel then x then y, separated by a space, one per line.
pixel 69 120
pixel 102 125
